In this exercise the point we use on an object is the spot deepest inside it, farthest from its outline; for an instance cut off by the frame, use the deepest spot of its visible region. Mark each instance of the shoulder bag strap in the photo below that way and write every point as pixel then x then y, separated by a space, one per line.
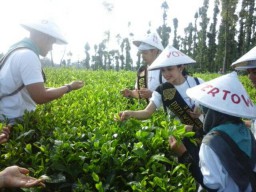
pixel 14 92
pixel 142 80
pixel 197 81
pixel 2 62
pixel 241 157
pixel 160 77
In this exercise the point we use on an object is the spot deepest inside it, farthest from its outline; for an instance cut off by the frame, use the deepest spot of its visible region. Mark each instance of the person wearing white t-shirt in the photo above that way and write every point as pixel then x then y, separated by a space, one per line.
pixel 21 77
pixel 175 76
pixel 172 62
pixel 248 63
pixel 149 47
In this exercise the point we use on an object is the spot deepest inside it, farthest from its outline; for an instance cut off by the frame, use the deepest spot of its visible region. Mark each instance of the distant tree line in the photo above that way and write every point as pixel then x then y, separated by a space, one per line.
pixel 214 42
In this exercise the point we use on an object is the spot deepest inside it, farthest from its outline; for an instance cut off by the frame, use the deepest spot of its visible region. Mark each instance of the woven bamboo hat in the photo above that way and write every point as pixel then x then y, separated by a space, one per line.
pixel 224 94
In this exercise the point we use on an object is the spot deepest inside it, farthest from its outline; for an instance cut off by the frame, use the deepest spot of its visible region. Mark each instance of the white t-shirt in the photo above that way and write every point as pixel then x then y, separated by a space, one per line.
pixel 215 175
pixel 22 67
pixel 153 80
pixel 190 82
pixel 253 127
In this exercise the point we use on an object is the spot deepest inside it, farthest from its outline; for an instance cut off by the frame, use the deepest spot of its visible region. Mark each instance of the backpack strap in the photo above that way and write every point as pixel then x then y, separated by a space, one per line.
pixel 2 62
pixel 160 77
pixel 241 170
pixel 14 92
pixel 23 44
pixel 197 80
pixel 142 76
pixel 4 58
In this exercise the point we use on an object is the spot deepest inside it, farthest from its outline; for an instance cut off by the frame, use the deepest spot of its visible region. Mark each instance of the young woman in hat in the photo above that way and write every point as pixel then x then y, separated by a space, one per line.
pixel 248 63
pixel 172 95
pixel 227 153
pixel 22 79
pixel 171 63
pixel 147 81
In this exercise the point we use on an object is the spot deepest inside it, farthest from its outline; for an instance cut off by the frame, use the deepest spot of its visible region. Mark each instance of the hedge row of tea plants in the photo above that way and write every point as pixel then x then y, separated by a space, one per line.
pixel 77 143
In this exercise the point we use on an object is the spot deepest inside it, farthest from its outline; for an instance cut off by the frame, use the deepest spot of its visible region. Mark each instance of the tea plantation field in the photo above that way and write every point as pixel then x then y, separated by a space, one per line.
pixel 76 142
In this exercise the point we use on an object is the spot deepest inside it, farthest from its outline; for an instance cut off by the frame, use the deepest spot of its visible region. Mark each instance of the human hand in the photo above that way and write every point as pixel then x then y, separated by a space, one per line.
pixel 189 128
pixel 76 85
pixel 124 115
pixel 178 147
pixel 15 176
pixel 126 92
pixel 195 113
pixel 145 93
pixel 5 134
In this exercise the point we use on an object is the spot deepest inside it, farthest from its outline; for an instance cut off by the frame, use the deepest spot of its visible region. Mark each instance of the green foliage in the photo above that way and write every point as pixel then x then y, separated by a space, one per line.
pixel 78 144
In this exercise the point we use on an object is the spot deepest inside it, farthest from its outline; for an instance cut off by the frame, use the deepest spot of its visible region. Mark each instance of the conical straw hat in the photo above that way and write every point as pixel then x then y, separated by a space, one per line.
pixel 152 39
pixel 171 56
pixel 247 61
pixel 45 26
pixel 224 94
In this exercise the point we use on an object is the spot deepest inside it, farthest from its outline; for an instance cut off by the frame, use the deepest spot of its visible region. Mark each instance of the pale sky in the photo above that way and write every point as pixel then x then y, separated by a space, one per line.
pixel 84 21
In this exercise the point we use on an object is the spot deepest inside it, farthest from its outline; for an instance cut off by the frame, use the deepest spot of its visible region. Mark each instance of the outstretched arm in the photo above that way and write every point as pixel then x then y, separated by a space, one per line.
pixel 140 114
pixel 139 94
pixel 41 95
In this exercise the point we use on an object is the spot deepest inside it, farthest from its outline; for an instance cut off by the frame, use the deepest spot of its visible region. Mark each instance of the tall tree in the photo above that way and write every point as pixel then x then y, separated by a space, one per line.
pixel 164 30
pixel 212 34
pixel 241 36
pixel 175 38
pixel 227 45
pixel 195 36
pixel 126 59
pixel 247 26
pixel 87 56
pixel 189 39
pixel 201 56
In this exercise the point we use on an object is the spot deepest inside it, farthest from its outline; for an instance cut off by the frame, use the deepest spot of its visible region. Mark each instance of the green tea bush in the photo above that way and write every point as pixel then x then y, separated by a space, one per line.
pixel 77 143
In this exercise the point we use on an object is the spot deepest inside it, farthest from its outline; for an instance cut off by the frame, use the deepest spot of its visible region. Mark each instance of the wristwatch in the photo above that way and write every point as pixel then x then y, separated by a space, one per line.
pixel 69 88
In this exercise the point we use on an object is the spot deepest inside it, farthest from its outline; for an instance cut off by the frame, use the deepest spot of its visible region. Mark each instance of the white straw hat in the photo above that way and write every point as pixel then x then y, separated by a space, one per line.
pixel 46 26
pixel 247 61
pixel 152 39
pixel 224 94
pixel 171 56
pixel 145 46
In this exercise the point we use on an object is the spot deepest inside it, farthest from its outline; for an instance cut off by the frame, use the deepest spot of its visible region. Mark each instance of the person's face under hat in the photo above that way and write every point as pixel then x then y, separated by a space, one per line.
pixel 43 41
pixel 173 74
pixel 252 76
pixel 149 53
